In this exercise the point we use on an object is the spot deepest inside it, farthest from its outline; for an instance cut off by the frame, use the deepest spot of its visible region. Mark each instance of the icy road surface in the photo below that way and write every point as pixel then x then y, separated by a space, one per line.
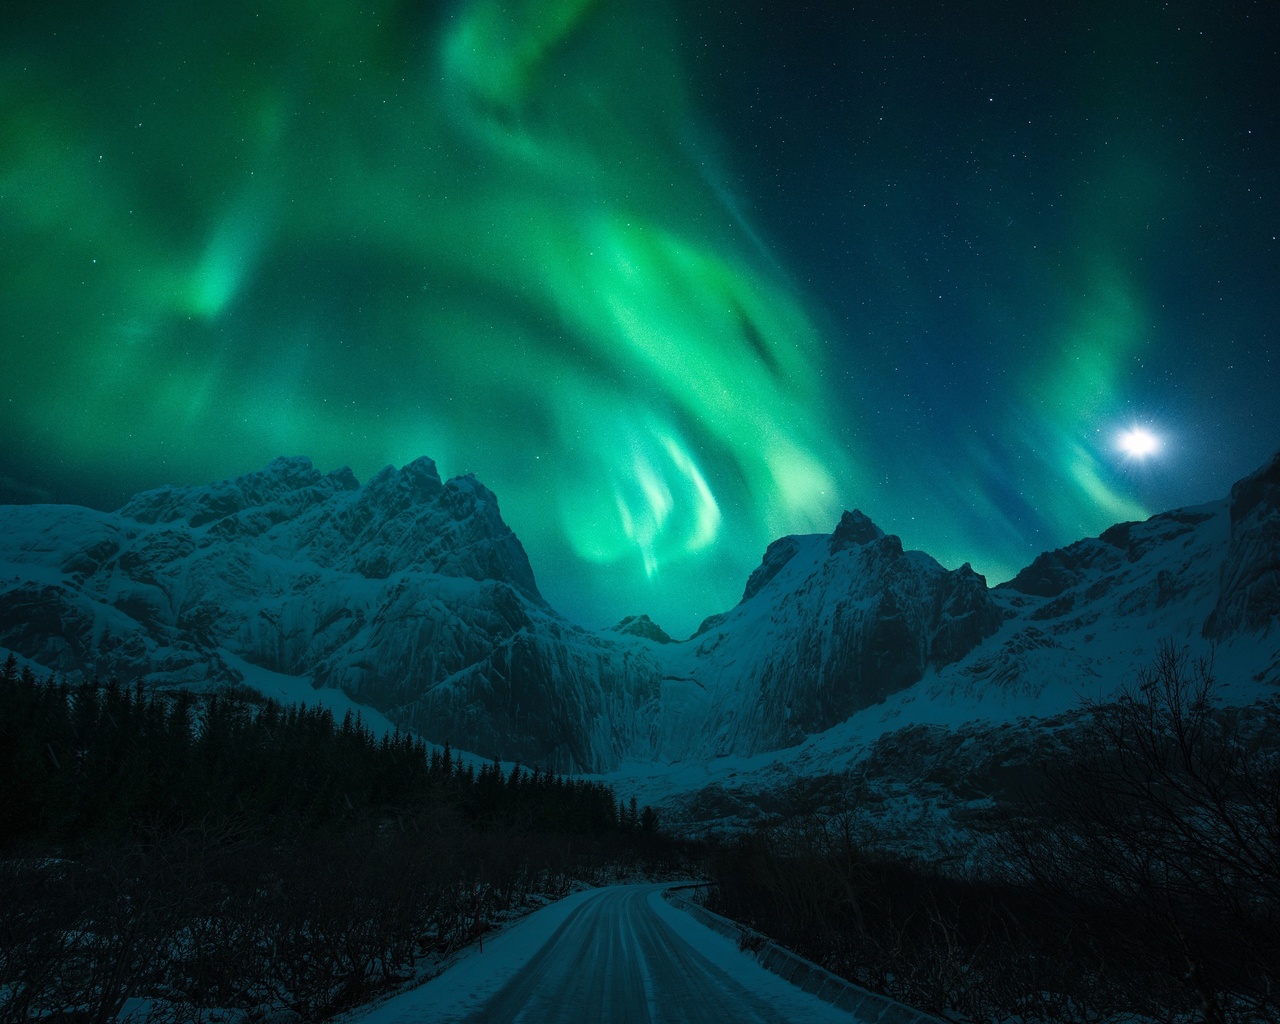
pixel 620 955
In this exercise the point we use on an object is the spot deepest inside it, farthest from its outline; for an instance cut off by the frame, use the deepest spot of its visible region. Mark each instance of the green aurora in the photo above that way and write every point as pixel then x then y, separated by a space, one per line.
pixel 514 236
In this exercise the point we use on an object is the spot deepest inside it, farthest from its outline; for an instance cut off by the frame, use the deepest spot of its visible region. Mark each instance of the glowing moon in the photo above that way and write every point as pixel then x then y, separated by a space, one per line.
pixel 1139 442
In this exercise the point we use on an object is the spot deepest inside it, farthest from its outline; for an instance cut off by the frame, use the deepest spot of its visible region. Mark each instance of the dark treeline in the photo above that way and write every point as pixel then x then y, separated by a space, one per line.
pixel 223 853
pixel 92 763
pixel 1140 880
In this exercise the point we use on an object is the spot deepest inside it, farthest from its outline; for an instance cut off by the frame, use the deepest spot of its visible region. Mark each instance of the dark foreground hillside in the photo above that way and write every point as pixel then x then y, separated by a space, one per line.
pixel 1138 879
pixel 221 856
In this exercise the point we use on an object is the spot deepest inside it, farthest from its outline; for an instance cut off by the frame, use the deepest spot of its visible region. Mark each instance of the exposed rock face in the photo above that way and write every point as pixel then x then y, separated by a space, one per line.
pixel 777 555
pixel 1098 562
pixel 1249 598
pixel 853 528
pixel 643 626
pixel 1048 576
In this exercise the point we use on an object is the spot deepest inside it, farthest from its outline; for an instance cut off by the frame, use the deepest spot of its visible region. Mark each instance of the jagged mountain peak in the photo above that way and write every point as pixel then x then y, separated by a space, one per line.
pixel 854 531
pixel 642 626
pixel 402 519
pixel 854 528
pixel 831 624
pixel 287 478
pixel 416 483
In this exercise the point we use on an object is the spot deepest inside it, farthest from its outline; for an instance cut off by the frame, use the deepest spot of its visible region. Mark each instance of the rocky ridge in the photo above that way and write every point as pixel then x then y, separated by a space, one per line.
pixel 412 596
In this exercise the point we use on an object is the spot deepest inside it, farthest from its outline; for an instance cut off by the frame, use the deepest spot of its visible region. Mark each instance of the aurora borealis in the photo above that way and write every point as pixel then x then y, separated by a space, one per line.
pixel 671 281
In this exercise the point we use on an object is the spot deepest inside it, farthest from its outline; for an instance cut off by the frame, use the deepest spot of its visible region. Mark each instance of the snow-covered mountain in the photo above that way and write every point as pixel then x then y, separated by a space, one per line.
pixel 412 596
pixel 827 625
pixel 1078 623
pixel 408 593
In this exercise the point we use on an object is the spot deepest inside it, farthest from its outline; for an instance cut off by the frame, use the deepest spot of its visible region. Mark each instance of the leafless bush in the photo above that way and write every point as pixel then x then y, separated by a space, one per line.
pixel 1160 837
pixel 1140 877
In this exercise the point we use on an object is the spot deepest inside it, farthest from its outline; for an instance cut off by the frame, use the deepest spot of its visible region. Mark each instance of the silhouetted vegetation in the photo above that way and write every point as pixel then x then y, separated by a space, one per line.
pixel 1143 878
pixel 221 851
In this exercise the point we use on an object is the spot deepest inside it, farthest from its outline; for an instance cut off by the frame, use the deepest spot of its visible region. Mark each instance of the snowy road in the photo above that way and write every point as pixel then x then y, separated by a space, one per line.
pixel 619 955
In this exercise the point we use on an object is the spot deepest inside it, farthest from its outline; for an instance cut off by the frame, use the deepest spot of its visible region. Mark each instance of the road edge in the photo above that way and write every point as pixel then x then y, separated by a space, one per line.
pixel 868 1006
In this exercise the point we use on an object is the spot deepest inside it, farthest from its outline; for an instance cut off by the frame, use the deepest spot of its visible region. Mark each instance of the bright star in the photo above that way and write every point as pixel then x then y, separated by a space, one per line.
pixel 1138 443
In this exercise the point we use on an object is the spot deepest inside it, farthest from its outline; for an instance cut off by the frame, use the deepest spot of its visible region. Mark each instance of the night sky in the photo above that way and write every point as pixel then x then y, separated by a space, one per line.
pixel 672 281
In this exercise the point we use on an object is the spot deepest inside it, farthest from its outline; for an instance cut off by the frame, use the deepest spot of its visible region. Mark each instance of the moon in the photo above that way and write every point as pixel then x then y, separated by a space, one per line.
pixel 1139 443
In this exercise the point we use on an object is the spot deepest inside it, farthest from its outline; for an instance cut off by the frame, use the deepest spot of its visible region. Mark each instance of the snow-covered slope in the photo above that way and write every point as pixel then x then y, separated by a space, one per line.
pixel 412 596
pixel 827 625
pixel 1080 622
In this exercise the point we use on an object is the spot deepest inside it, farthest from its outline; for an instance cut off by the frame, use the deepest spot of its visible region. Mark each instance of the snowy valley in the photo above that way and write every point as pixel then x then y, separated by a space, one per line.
pixel 410 597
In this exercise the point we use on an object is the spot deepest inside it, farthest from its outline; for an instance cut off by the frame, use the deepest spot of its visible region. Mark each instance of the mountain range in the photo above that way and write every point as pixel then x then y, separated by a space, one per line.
pixel 411 595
